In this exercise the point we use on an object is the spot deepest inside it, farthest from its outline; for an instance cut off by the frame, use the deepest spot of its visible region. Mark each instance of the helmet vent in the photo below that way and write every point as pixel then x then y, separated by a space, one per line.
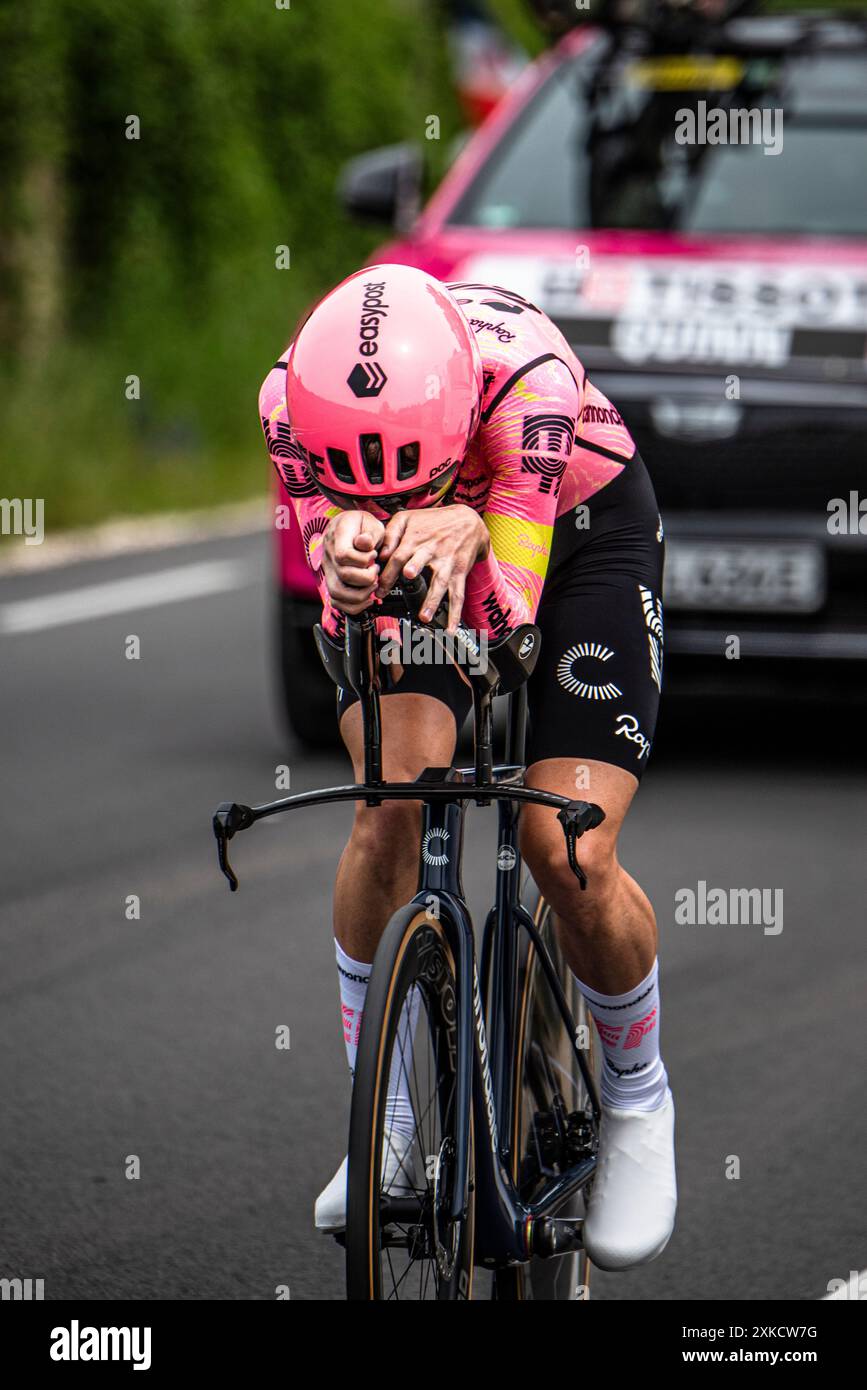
pixel 407 460
pixel 371 457
pixel 339 460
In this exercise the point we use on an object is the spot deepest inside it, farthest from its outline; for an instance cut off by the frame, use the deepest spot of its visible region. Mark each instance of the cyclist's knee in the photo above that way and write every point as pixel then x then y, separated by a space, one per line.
pixel 548 862
pixel 388 835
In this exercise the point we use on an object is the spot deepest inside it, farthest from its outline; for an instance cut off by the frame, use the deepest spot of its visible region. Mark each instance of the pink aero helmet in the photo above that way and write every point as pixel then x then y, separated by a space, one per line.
pixel 384 388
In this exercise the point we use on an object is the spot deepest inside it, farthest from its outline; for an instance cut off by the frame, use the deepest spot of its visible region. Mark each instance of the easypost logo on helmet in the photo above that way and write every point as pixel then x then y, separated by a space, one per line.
pixel 368 378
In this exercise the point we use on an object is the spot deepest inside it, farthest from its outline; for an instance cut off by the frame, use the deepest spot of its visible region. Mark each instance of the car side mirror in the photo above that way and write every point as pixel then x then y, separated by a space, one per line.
pixel 383 185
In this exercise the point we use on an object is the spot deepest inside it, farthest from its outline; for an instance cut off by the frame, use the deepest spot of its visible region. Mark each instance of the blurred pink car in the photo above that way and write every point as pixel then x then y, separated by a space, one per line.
pixel 715 289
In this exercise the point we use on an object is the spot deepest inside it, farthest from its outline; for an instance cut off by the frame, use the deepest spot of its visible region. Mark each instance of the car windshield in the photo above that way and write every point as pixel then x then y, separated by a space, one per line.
pixel 598 147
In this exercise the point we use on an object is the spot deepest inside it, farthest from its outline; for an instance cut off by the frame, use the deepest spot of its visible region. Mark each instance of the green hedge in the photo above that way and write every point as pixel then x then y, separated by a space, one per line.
pixel 155 257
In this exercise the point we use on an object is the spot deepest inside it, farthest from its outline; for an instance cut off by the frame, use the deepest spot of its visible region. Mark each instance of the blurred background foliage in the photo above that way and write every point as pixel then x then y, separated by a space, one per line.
pixel 155 257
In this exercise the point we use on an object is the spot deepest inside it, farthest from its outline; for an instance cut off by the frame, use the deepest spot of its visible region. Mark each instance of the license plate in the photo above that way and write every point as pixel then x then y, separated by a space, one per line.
pixel 759 576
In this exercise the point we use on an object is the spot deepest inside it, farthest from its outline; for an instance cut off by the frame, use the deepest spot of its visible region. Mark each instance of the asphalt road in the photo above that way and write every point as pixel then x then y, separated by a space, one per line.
pixel 155 1037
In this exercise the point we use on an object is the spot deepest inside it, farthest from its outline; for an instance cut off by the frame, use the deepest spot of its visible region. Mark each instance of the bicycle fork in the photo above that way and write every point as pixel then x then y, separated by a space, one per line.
pixel 510 1231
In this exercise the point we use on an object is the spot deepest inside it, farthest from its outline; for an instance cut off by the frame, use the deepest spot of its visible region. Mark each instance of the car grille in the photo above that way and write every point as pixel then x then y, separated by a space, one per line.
pixel 776 476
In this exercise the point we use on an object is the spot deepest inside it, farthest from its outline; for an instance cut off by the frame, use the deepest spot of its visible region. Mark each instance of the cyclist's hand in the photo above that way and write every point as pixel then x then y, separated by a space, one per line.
pixel 448 540
pixel 349 559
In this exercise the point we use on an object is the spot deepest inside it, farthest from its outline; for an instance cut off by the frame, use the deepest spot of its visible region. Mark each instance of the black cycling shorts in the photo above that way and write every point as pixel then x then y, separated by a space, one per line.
pixel 594 693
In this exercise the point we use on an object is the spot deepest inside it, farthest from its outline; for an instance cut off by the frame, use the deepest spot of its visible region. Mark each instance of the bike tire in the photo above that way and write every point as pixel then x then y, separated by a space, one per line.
pixel 414 954
pixel 539 1028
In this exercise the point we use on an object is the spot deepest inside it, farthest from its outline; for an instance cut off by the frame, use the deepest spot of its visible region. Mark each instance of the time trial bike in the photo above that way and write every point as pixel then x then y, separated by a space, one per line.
pixel 498 1053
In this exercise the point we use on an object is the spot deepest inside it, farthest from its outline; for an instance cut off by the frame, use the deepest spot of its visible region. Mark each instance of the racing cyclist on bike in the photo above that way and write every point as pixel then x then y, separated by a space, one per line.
pixel 416 425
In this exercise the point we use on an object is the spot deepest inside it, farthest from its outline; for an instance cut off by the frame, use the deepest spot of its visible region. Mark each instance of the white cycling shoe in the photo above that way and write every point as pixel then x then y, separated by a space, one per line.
pixel 398 1180
pixel 634 1196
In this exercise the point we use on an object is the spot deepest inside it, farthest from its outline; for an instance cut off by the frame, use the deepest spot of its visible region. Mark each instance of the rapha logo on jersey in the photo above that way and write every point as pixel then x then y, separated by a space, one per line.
pixel 577 684
pixel 366 379
pixel 499 329
pixel 433 847
pixel 527 645
pixel 628 727
pixel 653 618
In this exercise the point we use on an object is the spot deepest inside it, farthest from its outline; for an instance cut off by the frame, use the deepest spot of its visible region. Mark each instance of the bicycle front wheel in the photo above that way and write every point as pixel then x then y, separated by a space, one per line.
pixel 552 1115
pixel 401 1240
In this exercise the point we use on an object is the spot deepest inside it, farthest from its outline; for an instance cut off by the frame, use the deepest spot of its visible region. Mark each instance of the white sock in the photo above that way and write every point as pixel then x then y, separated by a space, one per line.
pixel 354 978
pixel 399 1114
pixel 633 1076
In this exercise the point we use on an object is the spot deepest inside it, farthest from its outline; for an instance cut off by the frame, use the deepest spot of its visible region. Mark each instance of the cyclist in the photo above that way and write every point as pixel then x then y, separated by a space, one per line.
pixel 452 427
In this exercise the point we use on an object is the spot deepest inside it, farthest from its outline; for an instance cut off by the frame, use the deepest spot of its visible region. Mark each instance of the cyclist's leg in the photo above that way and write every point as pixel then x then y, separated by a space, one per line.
pixel 593 704
pixel 594 698
pixel 608 931
pixel 378 873
pixel 421 717
pixel 608 936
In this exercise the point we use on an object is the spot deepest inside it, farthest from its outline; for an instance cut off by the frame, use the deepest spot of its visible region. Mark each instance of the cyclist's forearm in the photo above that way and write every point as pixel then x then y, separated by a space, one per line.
pixel 500 596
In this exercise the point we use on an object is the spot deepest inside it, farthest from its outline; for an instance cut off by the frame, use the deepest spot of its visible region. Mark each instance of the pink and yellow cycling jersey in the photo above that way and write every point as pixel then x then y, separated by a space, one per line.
pixel 548 440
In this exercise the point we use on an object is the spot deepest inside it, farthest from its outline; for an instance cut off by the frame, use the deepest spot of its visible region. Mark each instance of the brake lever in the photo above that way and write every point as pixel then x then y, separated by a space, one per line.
pixel 571 837
pixel 229 818
pixel 575 819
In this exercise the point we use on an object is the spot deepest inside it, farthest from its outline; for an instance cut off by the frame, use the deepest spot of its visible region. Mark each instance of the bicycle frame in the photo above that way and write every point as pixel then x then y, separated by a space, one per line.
pixel 507 1229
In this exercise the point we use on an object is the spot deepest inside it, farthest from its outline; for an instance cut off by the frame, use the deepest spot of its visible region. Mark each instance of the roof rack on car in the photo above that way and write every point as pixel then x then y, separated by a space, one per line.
pixel 675 25
pixel 678 20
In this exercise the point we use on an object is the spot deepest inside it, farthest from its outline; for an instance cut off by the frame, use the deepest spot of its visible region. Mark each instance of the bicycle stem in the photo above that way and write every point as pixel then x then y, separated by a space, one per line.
pixel 361 668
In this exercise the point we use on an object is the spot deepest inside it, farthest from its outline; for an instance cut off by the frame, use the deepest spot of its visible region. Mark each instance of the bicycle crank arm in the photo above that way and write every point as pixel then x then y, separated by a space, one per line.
pixel 550 1236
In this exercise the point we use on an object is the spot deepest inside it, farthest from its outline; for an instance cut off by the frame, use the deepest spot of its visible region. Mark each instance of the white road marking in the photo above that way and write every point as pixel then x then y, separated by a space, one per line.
pixel 854 1289
pixel 136 534
pixel 125 595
